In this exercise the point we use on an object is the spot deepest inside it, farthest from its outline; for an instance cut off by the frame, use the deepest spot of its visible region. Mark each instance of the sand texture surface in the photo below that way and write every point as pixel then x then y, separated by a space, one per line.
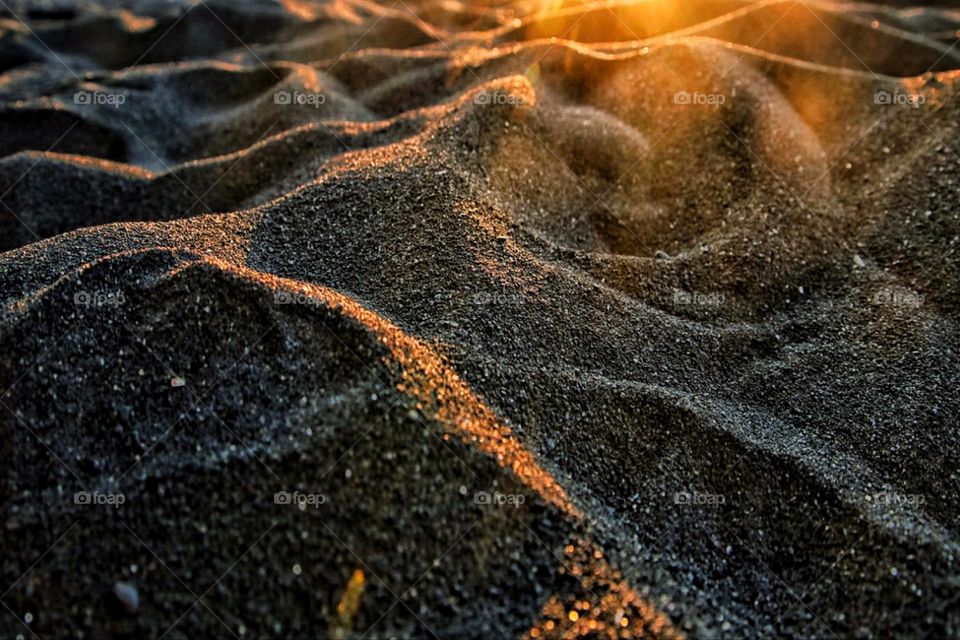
pixel 435 319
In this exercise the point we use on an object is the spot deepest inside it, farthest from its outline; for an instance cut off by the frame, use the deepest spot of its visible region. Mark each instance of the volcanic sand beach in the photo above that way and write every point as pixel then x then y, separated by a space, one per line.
pixel 432 319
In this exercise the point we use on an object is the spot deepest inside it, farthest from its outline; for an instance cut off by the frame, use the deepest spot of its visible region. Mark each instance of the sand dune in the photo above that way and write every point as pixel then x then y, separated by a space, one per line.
pixel 563 319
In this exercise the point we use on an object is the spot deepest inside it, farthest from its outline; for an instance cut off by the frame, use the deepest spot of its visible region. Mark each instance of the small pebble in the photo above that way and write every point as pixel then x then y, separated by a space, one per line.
pixel 128 596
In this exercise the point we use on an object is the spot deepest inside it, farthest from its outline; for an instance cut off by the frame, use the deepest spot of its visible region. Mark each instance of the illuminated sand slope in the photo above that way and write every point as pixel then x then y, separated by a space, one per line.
pixel 559 320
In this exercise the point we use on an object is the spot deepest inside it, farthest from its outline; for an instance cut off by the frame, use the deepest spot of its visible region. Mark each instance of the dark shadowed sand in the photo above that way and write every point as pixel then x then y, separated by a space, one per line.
pixel 433 319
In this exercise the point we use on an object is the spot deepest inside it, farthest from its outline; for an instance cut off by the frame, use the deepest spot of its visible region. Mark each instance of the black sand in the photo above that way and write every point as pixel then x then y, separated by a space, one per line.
pixel 676 289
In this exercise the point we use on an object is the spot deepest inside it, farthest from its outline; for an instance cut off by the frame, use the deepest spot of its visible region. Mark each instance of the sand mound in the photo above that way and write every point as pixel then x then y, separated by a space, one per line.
pixel 479 321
